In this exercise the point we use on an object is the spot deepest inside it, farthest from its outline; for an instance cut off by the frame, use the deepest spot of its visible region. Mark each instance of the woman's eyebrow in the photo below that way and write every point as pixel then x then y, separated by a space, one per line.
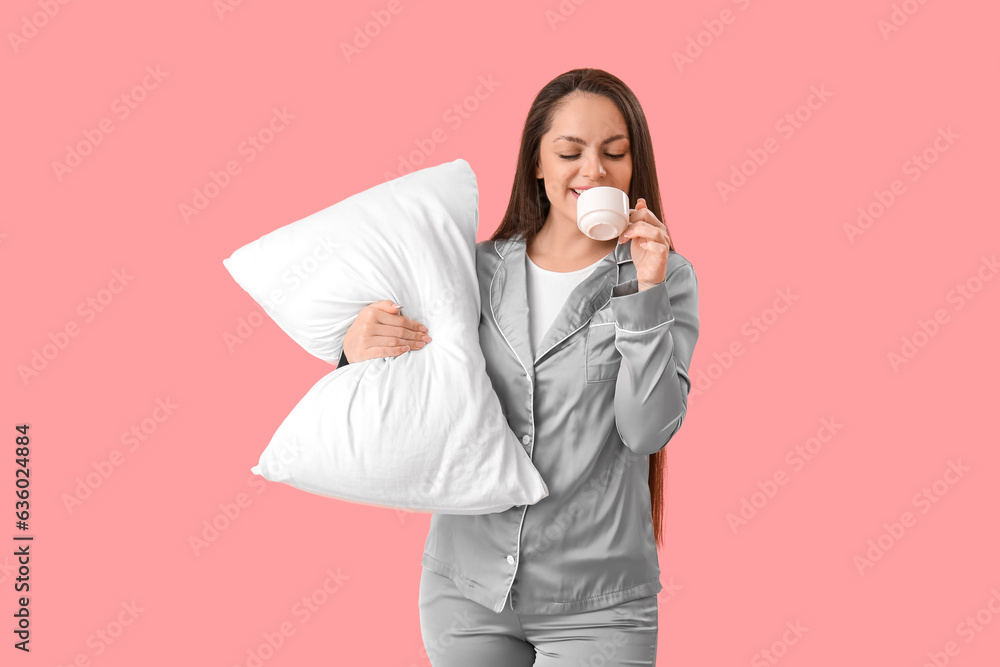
pixel 581 141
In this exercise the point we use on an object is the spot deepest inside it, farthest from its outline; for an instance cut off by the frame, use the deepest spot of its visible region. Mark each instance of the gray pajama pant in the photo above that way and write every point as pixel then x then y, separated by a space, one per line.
pixel 458 632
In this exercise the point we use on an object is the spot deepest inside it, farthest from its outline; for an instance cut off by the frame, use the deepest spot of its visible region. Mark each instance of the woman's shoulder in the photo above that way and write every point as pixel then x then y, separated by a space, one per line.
pixel 491 251
pixel 488 258
pixel 485 246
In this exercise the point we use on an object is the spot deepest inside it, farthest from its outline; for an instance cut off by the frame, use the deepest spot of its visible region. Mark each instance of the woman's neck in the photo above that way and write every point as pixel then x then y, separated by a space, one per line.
pixel 563 250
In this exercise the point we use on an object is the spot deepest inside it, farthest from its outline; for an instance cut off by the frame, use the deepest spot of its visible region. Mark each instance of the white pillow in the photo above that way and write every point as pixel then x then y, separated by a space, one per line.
pixel 423 431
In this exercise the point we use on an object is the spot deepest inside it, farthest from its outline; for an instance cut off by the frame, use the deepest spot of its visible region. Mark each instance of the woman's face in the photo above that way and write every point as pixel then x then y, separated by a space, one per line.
pixel 587 146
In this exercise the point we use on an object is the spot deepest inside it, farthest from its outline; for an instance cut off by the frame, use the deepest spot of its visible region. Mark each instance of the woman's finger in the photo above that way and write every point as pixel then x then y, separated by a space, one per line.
pixel 639 228
pixel 382 317
pixel 641 213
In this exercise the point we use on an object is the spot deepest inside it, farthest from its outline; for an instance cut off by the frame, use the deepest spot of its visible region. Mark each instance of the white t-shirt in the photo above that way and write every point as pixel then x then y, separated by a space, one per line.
pixel 547 293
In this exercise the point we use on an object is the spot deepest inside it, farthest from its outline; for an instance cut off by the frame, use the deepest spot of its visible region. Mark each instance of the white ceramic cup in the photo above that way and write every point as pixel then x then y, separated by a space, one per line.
pixel 602 212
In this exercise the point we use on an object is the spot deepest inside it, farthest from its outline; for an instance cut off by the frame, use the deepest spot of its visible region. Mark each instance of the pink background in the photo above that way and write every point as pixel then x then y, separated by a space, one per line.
pixel 727 595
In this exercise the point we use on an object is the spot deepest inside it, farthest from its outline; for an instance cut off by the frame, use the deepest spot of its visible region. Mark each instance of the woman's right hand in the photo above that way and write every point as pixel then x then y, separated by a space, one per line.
pixel 379 331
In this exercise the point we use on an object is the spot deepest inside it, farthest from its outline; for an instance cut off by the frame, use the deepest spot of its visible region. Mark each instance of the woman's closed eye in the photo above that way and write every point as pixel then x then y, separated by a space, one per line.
pixel 573 157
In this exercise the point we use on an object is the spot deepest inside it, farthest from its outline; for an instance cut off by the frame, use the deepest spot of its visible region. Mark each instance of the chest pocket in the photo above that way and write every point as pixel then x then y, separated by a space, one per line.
pixel 603 358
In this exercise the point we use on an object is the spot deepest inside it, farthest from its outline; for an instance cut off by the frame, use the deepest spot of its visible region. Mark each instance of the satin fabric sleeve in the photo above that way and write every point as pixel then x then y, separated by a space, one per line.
pixel 655 331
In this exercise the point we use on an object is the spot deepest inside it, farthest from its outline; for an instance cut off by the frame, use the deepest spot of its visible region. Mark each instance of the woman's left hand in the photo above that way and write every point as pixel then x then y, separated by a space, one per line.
pixel 649 255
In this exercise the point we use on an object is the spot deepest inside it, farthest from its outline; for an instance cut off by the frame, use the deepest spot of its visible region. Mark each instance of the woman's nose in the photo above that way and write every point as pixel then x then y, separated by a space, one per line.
pixel 593 168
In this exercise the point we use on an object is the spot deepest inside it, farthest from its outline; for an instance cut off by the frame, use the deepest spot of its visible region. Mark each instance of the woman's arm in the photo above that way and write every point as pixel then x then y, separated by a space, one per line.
pixel 655 331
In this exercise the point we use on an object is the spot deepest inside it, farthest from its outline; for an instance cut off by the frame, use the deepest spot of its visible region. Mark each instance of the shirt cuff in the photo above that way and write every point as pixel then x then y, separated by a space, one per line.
pixel 638 311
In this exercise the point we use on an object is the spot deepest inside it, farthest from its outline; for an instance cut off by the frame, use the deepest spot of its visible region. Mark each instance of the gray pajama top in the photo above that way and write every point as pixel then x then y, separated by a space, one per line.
pixel 607 389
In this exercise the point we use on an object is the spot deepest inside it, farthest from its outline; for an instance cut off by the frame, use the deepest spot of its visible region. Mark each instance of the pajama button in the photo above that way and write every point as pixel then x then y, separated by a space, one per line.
pixel 525 440
pixel 510 560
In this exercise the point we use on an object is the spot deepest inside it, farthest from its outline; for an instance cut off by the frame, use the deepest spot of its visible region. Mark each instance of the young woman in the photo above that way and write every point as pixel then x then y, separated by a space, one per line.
pixel 588 345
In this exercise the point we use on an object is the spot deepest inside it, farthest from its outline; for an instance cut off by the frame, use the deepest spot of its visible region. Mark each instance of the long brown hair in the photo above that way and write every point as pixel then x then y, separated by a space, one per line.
pixel 529 206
